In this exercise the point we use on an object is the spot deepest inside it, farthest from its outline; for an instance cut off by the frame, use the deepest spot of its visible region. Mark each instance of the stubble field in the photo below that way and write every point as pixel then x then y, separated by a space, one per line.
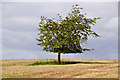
pixel 83 68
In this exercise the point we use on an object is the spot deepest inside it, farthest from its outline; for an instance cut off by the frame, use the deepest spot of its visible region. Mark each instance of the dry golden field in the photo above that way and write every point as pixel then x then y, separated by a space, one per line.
pixel 85 68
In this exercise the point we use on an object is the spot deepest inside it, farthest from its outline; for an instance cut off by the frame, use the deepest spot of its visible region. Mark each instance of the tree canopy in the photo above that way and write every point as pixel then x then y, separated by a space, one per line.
pixel 66 35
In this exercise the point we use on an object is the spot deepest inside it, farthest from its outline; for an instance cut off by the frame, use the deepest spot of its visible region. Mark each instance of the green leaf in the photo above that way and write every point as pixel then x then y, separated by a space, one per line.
pixel 66 35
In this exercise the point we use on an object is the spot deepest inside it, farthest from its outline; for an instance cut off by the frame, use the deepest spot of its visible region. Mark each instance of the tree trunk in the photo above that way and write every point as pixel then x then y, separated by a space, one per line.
pixel 59 58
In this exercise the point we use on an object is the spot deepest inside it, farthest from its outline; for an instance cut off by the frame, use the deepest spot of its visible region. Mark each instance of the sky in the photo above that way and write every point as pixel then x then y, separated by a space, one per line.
pixel 20 22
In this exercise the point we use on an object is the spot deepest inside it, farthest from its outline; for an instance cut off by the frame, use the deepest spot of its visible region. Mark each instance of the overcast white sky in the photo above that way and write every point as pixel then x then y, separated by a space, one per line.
pixel 20 22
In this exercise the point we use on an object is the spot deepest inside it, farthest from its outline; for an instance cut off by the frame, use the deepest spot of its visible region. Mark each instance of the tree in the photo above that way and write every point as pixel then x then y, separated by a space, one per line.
pixel 66 35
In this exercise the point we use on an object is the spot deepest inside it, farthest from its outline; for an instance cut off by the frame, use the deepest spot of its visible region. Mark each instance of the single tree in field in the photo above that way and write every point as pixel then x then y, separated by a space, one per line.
pixel 66 35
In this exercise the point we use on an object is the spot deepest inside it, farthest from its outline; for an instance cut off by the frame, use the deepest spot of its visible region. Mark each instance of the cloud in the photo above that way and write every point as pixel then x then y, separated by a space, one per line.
pixel 20 40
pixel 0 42
pixel 111 29
pixel 21 20
pixel 60 1
pixel 20 23
pixel 26 54
pixel 112 24
pixel 18 54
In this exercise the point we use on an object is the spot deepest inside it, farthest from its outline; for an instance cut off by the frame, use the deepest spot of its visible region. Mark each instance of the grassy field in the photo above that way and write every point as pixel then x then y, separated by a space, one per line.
pixel 80 68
